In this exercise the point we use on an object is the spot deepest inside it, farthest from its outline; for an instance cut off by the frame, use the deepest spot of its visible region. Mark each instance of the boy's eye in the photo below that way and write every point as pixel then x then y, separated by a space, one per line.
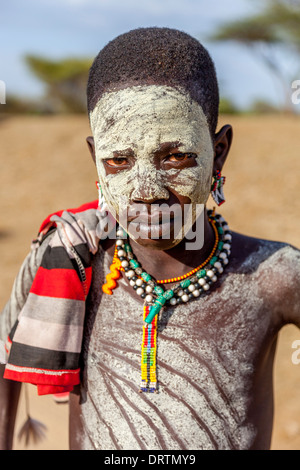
pixel 180 157
pixel 117 161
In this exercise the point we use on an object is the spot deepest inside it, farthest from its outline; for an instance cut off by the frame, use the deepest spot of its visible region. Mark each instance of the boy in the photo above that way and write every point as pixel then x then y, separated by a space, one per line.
pixel 111 318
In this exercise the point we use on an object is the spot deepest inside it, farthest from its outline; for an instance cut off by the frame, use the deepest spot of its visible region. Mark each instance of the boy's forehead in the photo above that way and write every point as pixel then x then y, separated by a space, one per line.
pixel 161 112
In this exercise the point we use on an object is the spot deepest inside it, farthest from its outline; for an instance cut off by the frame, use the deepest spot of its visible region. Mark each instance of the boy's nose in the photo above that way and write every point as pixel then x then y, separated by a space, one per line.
pixel 149 192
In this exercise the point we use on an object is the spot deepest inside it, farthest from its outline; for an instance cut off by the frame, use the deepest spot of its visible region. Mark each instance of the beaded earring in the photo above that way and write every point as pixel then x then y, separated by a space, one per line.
pixel 101 200
pixel 217 188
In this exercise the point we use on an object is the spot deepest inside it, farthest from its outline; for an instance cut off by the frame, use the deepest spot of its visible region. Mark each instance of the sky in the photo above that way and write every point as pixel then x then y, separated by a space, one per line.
pixel 80 28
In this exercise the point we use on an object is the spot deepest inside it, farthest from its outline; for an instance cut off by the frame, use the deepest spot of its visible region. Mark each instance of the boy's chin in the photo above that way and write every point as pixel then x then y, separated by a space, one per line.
pixel 157 237
pixel 156 244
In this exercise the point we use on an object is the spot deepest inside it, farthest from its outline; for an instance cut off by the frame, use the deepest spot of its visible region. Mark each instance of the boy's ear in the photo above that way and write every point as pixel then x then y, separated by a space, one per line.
pixel 91 146
pixel 222 144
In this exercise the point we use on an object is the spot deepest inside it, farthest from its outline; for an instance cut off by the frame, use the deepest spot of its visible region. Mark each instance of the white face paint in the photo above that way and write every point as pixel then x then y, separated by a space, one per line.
pixel 142 118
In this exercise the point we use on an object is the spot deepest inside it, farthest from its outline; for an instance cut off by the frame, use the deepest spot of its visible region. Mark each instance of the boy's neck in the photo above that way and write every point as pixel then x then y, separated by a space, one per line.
pixel 176 261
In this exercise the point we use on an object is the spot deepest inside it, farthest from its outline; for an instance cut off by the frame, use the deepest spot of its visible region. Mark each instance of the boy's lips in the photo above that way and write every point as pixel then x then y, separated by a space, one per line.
pixel 153 226
pixel 152 230
pixel 151 219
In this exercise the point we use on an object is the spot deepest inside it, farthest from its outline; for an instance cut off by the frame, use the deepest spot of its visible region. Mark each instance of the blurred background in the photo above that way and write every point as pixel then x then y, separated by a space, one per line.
pixel 47 47
pixel 46 50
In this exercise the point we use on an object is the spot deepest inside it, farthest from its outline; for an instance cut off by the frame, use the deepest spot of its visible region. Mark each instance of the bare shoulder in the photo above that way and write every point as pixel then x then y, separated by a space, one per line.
pixel 276 266
pixel 252 252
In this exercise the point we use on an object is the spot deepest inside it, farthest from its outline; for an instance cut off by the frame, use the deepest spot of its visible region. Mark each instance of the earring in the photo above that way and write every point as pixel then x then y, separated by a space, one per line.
pixel 101 200
pixel 217 188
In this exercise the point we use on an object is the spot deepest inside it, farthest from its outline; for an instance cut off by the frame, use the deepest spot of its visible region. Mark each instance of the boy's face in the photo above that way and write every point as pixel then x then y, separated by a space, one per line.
pixel 152 146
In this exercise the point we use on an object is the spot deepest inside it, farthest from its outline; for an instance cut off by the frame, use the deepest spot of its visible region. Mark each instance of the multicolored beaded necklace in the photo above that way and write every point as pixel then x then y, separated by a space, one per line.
pixel 191 285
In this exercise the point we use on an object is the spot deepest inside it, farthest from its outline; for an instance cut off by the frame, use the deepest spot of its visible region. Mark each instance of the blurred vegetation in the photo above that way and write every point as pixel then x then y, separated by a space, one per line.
pixel 65 82
pixel 65 87
pixel 276 27
pixel 261 106
pixel 227 106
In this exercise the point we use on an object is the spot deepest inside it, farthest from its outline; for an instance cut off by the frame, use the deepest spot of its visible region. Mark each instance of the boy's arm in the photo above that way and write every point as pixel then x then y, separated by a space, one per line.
pixel 9 398
pixel 286 285
pixel 10 390
pixel 21 289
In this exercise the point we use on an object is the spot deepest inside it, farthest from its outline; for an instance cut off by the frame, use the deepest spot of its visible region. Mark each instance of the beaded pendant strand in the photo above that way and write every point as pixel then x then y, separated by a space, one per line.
pixel 191 285
pixel 148 360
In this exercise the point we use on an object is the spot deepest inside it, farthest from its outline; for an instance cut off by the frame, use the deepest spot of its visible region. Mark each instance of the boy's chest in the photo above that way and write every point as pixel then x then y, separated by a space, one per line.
pixel 222 334
pixel 206 358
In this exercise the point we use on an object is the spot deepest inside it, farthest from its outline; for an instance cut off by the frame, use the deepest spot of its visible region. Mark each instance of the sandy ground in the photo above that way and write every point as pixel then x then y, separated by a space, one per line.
pixel 45 166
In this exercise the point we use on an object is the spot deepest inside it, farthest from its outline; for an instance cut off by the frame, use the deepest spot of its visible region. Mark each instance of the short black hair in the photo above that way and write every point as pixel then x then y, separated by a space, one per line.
pixel 160 56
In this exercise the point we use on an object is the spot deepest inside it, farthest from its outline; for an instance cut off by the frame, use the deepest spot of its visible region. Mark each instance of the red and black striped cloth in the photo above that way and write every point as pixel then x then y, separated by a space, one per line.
pixel 45 343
